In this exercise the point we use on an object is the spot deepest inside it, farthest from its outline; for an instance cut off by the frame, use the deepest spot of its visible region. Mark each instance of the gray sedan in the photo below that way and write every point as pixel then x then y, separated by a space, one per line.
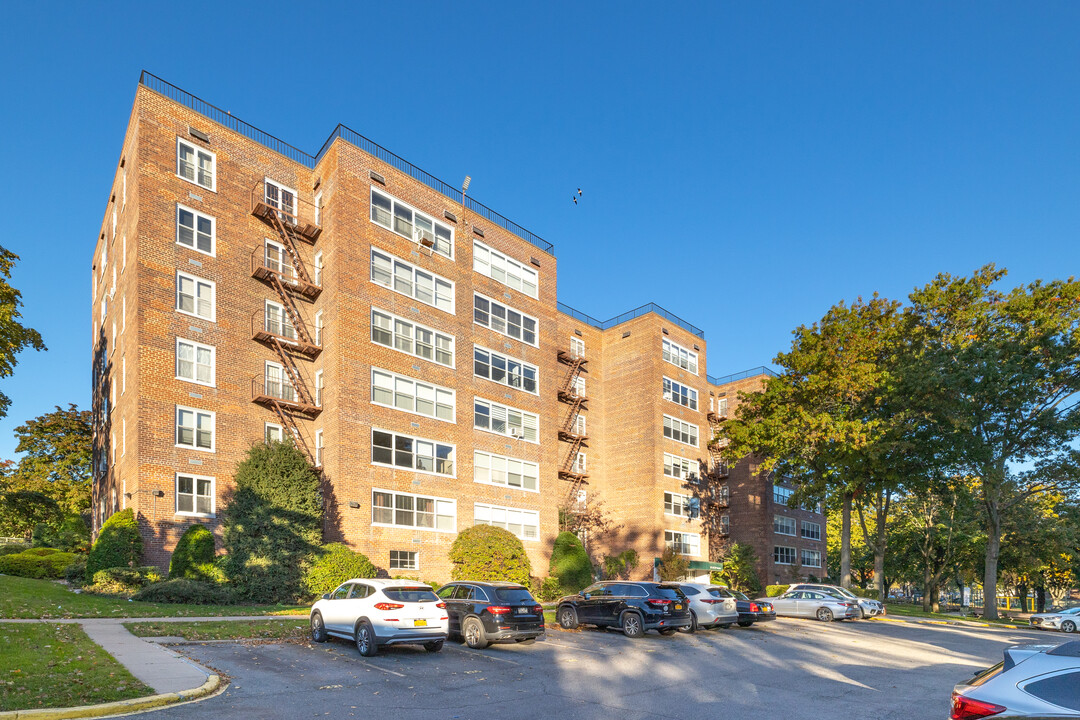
pixel 1064 620
pixel 805 603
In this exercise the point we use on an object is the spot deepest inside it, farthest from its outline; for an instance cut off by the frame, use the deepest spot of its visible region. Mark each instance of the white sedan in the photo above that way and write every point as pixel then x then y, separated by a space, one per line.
pixel 371 613
pixel 1067 620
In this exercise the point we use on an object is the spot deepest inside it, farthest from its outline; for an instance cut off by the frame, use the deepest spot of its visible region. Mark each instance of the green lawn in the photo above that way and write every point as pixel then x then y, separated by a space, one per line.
pixel 916 611
pixel 26 598
pixel 284 629
pixel 52 665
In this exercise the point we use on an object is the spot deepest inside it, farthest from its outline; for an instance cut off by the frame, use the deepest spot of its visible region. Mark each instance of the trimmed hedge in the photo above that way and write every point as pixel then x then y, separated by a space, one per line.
pixel 40 551
pixel 775 590
pixel 336 564
pixel 870 593
pixel 119 543
pixel 195 547
pixel 11 549
pixel 547 589
pixel 185 591
pixel 75 573
pixel 36 565
pixel 123 580
pixel 486 552
pixel 570 564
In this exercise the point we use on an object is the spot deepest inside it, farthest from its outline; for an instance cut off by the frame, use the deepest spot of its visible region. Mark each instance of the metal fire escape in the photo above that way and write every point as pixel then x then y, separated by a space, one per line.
pixel 288 334
pixel 569 432
pixel 716 473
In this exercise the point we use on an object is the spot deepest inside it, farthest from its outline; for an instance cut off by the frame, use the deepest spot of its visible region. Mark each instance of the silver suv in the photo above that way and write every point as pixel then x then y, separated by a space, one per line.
pixel 867 607
pixel 1033 681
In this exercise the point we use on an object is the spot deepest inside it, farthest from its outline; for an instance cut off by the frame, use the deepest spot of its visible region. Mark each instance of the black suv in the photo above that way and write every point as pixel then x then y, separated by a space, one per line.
pixel 485 612
pixel 633 606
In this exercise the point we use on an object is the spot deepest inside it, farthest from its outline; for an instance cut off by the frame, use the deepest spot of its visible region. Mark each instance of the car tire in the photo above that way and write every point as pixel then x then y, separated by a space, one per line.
pixel 525 641
pixel 473 632
pixel 365 639
pixel 745 623
pixel 434 646
pixel 725 626
pixel 1068 626
pixel 318 628
pixel 632 626
pixel 567 618
pixel 824 614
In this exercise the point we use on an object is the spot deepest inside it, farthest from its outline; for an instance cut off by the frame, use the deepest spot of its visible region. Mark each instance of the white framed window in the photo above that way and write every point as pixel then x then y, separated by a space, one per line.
pixel 318 328
pixel 676 429
pixel 811 531
pixel 195 230
pixel 278 321
pixel 505 370
pixel 404 560
pixel 412 453
pixel 318 218
pixel 195 495
pixel 492 469
pixel 577 347
pixel 318 388
pixel 678 467
pixel 679 356
pixel 277 258
pixel 679 505
pixel 683 543
pixel 811 558
pixel 281 198
pixel 277 383
pixel 676 392
pixel 104 258
pixel 580 463
pixel 195 362
pixel 525 524
pixel 123 374
pixel 114 213
pixel 318 448
pixel 502 420
pixel 577 389
pixel 412 396
pixel 725 525
pixel 411 281
pixel 398 509
pixel 407 221
pixel 104 308
pixel 196 165
pixel 411 338
pixel 123 254
pixel 195 429
pixel 274 433
pixel 722 407
pixel 123 313
pixel 781 495
pixel 504 320
pixel 783 555
pixel 195 296
pixel 783 525
pixel 492 263
pixel 317 268
pixel 112 347
pixel 579 425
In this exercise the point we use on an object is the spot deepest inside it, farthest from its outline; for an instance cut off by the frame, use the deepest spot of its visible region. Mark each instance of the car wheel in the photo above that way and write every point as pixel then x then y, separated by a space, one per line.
pixel 318 629
pixel 1068 626
pixel 631 625
pixel 434 646
pixel 824 614
pixel 744 623
pixel 473 630
pixel 365 639
pixel 725 626
pixel 525 641
pixel 568 618
pixel 694 627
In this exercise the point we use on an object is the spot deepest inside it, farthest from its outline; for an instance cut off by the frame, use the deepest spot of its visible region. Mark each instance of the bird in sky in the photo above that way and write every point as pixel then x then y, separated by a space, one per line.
pixel 575 197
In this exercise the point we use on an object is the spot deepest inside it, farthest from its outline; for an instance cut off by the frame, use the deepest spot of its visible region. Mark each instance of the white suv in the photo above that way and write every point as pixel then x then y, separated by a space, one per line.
pixel 867 607
pixel 381 612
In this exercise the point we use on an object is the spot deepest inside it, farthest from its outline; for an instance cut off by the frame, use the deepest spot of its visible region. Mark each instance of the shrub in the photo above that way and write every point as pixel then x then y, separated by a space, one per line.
pixel 620 566
pixel 75 573
pixel 334 565
pixel 272 524
pixel 435 584
pixel 740 569
pixel 570 563
pixel 547 589
pixel 211 572
pixel 119 543
pixel 123 580
pixel 36 565
pixel 185 591
pixel 195 547
pixel 71 535
pixel 11 549
pixel 40 551
pixel 775 590
pixel 673 566
pixel 486 552
pixel 868 593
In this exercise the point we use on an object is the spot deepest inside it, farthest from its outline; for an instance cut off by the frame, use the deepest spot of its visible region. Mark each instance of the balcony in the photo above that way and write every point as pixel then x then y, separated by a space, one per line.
pixel 274 270
pixel 271 331
pixel 572 396
pixel 279 395
pixel 571 436
pixel 297 215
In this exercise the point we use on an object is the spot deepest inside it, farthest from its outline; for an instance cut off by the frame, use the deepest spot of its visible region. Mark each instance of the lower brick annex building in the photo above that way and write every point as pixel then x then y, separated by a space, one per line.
pixel 409 340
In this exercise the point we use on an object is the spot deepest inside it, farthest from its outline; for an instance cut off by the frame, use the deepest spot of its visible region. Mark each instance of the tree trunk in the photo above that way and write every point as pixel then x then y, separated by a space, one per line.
pixel 881 543
pixel 1040 599
pixel 993 550
pixel 845 542
pixel 1021 595
pixel 927 582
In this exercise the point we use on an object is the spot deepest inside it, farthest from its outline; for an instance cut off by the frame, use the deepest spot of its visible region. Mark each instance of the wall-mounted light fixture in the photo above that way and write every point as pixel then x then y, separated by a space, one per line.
pixel 353 504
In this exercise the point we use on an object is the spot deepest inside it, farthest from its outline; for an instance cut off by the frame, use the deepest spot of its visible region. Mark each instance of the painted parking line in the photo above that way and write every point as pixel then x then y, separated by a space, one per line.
pixel 477 653
pixel 367 664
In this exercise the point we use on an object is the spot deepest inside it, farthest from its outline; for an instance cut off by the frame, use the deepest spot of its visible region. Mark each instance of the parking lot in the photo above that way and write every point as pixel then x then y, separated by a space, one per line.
pixel 787 669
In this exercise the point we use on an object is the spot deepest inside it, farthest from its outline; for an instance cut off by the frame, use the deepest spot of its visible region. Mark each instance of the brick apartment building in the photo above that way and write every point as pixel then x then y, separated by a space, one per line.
pixel 245 290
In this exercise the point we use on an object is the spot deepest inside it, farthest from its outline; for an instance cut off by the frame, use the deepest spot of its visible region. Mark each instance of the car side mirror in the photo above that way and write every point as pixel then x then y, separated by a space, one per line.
pixel 326 596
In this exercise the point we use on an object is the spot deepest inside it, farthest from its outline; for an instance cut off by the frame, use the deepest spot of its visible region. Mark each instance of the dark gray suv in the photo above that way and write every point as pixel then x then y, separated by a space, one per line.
pixel 634 607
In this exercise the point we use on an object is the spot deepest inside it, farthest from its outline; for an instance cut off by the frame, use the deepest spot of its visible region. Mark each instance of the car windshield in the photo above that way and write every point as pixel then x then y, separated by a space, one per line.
pixel 740 596
pixel 666 591
pixel 720 592
pixel 1070 611
pixel 842 591
pixel 410 594
pixel 513 595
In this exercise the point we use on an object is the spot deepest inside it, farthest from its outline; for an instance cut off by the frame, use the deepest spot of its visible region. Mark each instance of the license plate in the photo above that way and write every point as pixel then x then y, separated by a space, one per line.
pixel 678 607
pixel 522 611
pixel 419 623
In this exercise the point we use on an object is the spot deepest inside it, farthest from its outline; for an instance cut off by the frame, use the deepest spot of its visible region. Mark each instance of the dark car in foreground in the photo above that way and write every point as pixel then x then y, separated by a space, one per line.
pixel 751 611
pixel 1032 681
pixel 482 613
pixel 634 607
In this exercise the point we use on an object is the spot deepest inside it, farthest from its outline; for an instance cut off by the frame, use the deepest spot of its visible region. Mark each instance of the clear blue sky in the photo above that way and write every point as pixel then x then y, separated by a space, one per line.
pixel 745 166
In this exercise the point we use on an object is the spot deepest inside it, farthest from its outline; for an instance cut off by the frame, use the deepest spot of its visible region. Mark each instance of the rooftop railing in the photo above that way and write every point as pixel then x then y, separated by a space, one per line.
pixel 627 316
pixel 251 132
pixel 752 372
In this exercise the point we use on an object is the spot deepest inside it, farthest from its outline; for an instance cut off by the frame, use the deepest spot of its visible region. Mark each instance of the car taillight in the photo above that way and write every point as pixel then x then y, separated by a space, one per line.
pixel 538 608
pixel 965 708
pixel 498 609
pixel 754 607
pixel 388 606
pixel 440 605
pixel 658 603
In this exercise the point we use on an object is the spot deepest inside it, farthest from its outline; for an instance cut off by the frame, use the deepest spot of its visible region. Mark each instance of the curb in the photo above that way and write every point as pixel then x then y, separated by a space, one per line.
pixel 955 623
pixel 213 684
